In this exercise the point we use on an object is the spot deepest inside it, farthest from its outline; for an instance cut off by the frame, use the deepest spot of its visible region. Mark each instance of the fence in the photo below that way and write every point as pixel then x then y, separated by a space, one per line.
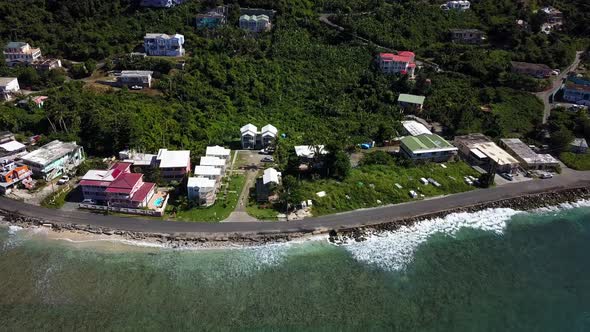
pixel 152 213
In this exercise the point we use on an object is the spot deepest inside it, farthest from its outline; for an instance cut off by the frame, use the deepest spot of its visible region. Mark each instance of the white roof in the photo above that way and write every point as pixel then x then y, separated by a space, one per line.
pixel 174 159
pixel 163 35
pixel 217 150
pixel 12 146
pixel 271 175
pixel 495 153
pixel 136 73
pixel 415 128
pixel 525 153
pixel 269 130
pixel 98 175
pixel 207 170
pixel 200 182
pixel 249 128
pixel 212 161
pixel 4 81
pixel 50 152
pixel 478 153
pixel 308 151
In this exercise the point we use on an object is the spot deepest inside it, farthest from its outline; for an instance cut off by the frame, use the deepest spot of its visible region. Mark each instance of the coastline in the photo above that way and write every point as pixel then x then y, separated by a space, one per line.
pixel 88 233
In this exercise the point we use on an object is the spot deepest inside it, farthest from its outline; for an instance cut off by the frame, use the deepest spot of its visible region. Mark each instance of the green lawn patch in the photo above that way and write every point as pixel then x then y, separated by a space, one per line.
pixel 57 199
pixel 224 205
pixel 580 162
pixel 374 185
pixel 262 211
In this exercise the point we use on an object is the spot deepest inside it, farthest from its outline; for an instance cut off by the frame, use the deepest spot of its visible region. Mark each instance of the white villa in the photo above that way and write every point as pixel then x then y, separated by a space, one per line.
pixel 201 190
pixel 252 138
pixel 255 23
pixel 161 44
pixel 218 151
pixel 8 88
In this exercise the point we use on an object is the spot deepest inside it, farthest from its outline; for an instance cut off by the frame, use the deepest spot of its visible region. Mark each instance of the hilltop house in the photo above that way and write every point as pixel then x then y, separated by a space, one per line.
pixel 531 69
pixel 21 53
pixel 141 78
pixel 255 23
pixel 8 88
pixel 160 3
pixel 467 36
pixel 201 190
pixel 427 147
pixel 456 5
pixel 160 44
pixel 553 16
pixel 413 102
pixel 402 63
pixel 252 138
pixel 54 159
pixel 118 187
pixel 527 157
pixel 479 150
pixel 213 18
pixel 173 165
pixel 415 128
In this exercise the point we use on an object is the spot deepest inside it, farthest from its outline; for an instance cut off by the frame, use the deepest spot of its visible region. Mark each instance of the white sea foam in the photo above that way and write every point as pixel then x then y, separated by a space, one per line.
pixel 14 229
pixel 395 250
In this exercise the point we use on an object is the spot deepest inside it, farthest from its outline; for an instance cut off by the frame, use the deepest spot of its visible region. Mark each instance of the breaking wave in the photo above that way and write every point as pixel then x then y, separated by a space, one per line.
pixel 395 250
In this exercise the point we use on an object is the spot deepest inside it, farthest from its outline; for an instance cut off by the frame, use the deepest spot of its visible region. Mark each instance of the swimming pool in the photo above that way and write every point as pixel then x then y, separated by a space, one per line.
pixel 159 201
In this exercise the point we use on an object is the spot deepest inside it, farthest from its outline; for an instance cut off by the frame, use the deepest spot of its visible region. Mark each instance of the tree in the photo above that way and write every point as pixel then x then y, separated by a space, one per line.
pixel 561 139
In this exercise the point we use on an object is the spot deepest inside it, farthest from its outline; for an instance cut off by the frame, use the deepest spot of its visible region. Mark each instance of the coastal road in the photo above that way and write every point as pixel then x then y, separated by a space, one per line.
pixel 556 85
pixel 358 218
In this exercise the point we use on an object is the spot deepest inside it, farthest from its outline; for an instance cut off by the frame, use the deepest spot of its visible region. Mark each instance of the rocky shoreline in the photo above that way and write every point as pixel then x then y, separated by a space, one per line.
pixel 339 236
pixel 524 203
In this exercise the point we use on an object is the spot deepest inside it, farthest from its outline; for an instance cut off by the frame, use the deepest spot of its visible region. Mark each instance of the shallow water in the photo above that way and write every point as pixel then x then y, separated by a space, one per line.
pixel 496 270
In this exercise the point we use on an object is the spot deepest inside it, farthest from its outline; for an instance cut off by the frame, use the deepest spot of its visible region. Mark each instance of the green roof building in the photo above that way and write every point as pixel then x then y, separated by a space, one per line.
pixel 427 147
pixel 407 100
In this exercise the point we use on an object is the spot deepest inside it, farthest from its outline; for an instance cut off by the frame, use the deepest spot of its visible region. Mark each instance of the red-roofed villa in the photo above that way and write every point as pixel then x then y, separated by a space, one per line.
pixel 403 62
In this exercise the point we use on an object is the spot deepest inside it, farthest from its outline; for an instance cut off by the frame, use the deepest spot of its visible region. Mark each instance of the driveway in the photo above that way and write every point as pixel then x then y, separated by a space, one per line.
pixel 556 85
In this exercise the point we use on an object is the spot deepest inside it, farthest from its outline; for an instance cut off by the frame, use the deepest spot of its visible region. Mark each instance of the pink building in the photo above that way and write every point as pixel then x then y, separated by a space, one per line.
pixel 404 63
pixel 117 187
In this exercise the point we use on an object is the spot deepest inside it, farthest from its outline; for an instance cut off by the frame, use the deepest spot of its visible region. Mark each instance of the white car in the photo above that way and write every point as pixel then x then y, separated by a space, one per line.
pixel 63 180
pixel 136 87
pixel 424 181
pixel 546 175
pixel 413 194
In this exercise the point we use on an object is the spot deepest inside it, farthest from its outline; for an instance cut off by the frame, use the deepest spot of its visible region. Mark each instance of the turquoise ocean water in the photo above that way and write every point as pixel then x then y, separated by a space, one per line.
pixel 496 270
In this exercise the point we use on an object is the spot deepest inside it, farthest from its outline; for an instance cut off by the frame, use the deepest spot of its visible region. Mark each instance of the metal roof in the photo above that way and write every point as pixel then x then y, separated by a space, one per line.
pixel 412 99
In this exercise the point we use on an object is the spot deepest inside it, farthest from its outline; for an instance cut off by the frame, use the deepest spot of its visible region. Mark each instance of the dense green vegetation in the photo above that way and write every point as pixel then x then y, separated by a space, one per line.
pixel 580 162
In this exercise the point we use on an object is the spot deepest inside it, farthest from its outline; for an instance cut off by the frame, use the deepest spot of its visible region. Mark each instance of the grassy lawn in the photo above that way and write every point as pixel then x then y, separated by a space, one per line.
pixel 224 205
pixel 57 199
pixel 261 212
pixel 580 162
pixel 374 185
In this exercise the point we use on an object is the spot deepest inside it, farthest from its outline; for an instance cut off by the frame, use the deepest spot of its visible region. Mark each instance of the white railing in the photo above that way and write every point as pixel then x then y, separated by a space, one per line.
pixel 153 213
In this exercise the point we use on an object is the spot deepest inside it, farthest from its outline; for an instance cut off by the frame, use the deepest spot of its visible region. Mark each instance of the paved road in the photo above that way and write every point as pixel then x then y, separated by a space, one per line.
pixel 569 179
pixel 555 85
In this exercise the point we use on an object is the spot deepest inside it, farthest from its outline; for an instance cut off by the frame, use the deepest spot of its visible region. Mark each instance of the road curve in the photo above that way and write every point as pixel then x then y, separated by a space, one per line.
pixel 358 218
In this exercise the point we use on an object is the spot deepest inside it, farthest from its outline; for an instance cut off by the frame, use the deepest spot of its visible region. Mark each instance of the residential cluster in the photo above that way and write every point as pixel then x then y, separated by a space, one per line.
pixel 203 186
pixel 251 138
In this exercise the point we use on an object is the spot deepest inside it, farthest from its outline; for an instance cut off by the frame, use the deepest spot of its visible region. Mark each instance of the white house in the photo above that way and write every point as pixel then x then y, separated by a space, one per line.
pixel 209 172
pixel 255 23
pixel 21 52
pixel 271 176
pixel 456 5
pixel 141 78
pixel 161 44
pixel 173 165
pixel 201 190
pixel 8 87
pixel 213 161
pixel 252 138
pixel 218 151
pixel 249 133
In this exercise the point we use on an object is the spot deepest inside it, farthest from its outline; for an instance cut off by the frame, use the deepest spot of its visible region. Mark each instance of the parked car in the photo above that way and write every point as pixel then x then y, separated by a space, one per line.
pixel 507 176
pixel 546 175
pixel 268 159
pixel 88 201
pixel 63 180
pixel 413 194
pixel 424 181
pixel 136 87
